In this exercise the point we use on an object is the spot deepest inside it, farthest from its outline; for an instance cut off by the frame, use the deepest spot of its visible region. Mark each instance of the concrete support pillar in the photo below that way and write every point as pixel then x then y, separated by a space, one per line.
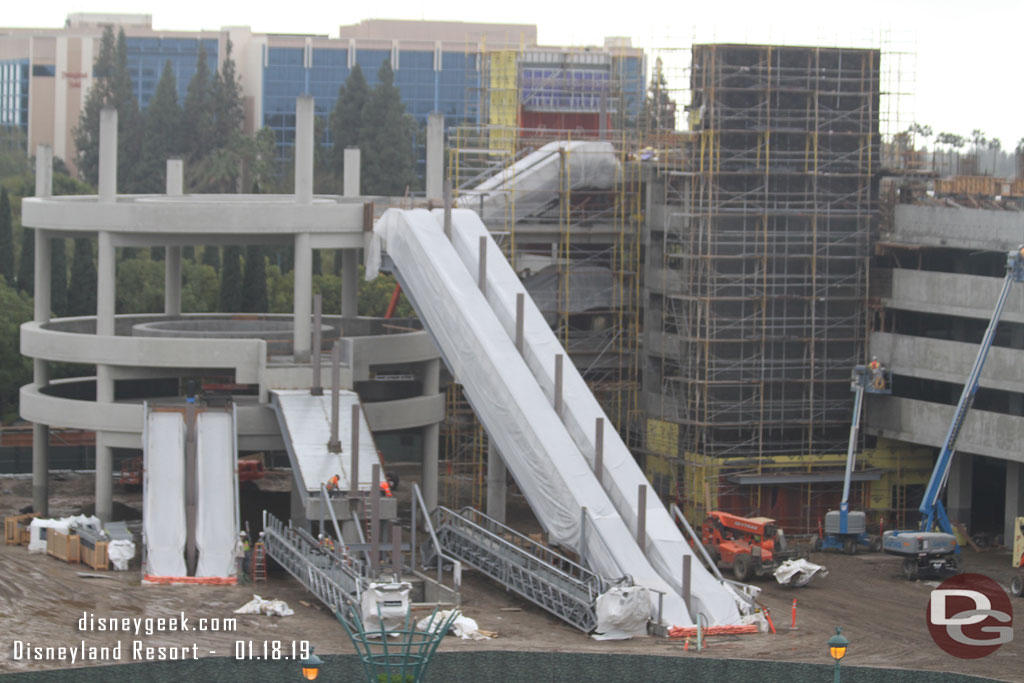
pixel 958 489
pixel 349 283
pixel 175 177
pixel 497 480
pixel 431 436
pixel 350 181
pixel 104 478
pixel 108 155
pixel 304 149
pixel 41 314
pixel 1014 506
pixel 172 281
pixel 435 156
pixel 106 279
pixel 303 296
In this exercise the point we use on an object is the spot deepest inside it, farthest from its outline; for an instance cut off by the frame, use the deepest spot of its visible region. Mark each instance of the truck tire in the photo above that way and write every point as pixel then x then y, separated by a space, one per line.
pixel 742 567
pixel 1017 584
pixel 910 568
pixel 876 544
pixel 849 546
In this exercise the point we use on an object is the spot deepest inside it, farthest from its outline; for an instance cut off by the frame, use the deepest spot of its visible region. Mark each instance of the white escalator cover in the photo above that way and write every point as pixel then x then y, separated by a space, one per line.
pixel 217 509
pixel 622 476
pixel 538 450
pixel 164 494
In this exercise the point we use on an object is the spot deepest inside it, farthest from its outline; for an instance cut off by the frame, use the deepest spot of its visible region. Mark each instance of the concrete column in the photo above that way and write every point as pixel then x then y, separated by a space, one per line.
pixel 104 479
pixel 40 469
pixel 435 156
pixel 1014 500
pixel 41 314
pixel 175 177
pixel 172 281
pixel 106 279
pixel 43 265
pixel 958 489
pixel 350 181
pixel 303 296
pixel 431 436
pixel 108 155
pixel 496 483
pixel 304 149
pixel 349 283
pixel 44 171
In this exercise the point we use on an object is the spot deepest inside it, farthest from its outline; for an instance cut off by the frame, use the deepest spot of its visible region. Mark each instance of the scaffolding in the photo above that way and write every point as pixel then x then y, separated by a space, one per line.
pixel 757 266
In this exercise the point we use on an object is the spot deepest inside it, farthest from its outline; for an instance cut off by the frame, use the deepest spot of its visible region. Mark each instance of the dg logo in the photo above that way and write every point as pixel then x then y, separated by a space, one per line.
pixel 970 616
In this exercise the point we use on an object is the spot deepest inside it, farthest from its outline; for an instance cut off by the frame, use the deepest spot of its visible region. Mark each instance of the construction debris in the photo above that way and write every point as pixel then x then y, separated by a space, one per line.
pixel 798 573
pixel 274 608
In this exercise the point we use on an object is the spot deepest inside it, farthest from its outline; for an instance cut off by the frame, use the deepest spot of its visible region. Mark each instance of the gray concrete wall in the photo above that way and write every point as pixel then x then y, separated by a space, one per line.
pixel 957 228
pixel 969 296
pixel 948 361
pixel 984 433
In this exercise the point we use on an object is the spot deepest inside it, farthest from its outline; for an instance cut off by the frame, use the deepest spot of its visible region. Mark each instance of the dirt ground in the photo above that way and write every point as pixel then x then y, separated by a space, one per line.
pixel 42 600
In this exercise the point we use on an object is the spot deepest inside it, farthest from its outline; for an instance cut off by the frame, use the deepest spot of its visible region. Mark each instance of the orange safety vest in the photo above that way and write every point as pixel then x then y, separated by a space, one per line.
pixel 332 483
pixel 385 488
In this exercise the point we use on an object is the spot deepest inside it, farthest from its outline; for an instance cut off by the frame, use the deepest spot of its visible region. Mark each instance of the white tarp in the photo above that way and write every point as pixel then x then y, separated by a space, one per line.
pixel 665 543
pixel 545 462
pixel 462 627
pixel 272 608
pixel 120 553
pixel 531 184
pixel 384 606
pixel 37 542
pixel 216 507
pixel 798 573
pixel 163 515
pixel 621 613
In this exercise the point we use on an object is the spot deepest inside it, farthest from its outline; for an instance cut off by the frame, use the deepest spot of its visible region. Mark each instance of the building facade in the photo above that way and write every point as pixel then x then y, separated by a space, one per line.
pixel 493 74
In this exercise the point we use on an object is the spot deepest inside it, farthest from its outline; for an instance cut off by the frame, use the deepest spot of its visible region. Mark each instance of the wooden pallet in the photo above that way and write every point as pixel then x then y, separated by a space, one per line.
pixel 96 558
pixel 62 546
pixel 16 528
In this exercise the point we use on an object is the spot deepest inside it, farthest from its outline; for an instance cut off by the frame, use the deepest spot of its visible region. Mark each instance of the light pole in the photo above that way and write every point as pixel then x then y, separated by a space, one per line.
pixel 311 666
pixel 837 645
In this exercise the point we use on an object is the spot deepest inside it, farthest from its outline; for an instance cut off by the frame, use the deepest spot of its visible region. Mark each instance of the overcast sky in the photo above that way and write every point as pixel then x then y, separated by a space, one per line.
pixel 966 74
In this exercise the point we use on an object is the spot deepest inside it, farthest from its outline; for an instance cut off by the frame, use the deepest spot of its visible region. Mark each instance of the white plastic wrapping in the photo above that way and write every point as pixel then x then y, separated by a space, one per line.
pixel 216 507
pixel 163 515
pixel 546 463
pixel 622 476
pixel 384 606
pixel 462 627
pixel 120 553
pixel 798 573
pixel 37 542
pixel 621 613
pixel 272 608
pixel 530 184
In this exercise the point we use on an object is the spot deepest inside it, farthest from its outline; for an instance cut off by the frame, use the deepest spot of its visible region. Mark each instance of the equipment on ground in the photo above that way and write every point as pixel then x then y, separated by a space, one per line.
pixel 749 545
pixel 846 529
pixel 928 552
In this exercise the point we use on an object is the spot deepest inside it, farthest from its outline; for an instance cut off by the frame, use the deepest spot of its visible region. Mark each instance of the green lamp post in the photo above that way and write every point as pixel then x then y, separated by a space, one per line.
pixel 837 645
pixel 311 666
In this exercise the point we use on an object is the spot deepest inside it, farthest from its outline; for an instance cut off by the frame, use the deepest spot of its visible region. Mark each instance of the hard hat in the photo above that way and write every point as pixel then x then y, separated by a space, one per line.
pixel 874 357
pixel 242 533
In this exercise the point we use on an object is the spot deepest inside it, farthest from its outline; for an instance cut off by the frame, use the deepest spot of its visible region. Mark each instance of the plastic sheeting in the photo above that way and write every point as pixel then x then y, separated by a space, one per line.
pixel 547 465
pixel 120 553
pixel 621 613
pixel 163 516
pixel 524 188
pixel 384 607
pixel 798 573
pixel 216 507
pixel 665 543
pixel 37 541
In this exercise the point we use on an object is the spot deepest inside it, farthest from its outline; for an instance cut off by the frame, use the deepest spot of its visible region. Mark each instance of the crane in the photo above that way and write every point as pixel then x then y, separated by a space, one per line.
pixel 846 529
pixel 934 552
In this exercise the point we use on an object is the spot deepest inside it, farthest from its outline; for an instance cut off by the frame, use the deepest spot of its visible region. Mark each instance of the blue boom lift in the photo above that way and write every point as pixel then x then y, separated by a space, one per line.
pixel 928 552
pixel 846 529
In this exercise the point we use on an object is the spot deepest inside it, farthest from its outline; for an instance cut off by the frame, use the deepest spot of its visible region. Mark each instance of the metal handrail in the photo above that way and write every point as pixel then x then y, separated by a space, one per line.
pixel 438 550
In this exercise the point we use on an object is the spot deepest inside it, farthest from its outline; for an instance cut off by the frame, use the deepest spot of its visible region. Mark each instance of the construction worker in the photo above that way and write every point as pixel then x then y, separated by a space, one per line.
pixel 385 488
pixel 244 556
pixel 326 542
pixel 332 485
pixel 877 374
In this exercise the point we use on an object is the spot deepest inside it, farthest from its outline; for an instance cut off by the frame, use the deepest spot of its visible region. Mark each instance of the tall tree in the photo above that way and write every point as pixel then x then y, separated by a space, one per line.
pixel 387 130
pixel 58 277
pixel 254 285
pixel 231 280
pixel 346 119
pixel 228 113
pixel 113 88
pixel 6 239
pixel 198 111
pixel 15 369
pixel 82 286
pixel 162 132
pixel 211 257
pixel 659 111
pixel 27 262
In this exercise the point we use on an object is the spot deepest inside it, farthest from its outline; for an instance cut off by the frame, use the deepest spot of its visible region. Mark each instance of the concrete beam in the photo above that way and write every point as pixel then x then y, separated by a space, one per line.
pixel 972 229
pixel 948 361
pixel 435 156
pixel 967 296
pixel 984 433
